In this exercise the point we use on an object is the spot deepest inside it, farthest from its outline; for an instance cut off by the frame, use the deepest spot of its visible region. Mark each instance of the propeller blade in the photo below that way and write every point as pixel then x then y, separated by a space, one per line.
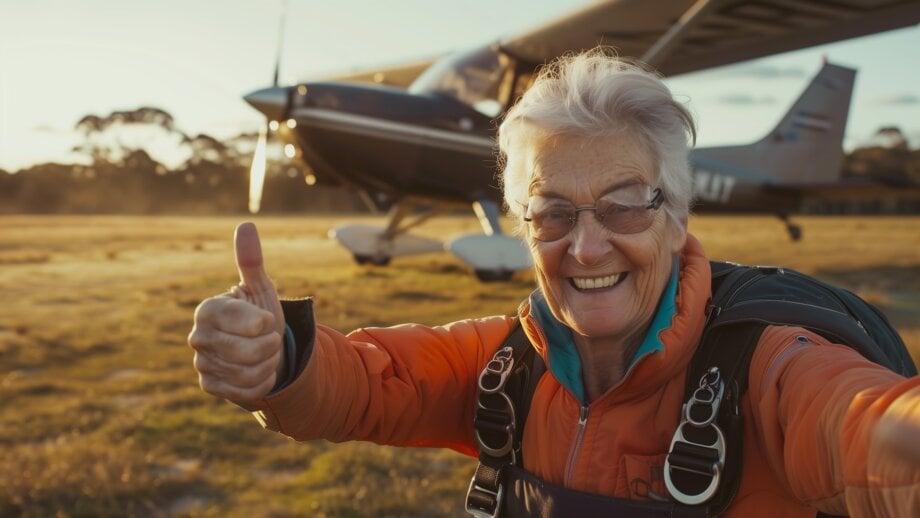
pixel 257 171
pixel 272 102
pixel 280 42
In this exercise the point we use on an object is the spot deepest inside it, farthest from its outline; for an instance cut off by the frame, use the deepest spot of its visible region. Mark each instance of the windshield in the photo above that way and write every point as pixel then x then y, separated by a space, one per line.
pixel 480 78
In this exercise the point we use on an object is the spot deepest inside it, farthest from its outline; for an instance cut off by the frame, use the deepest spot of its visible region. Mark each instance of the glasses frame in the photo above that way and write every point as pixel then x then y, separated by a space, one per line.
pixel 653 204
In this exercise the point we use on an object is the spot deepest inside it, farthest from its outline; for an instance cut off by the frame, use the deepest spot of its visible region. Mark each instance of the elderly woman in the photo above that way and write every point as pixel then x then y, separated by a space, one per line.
pixel 595 170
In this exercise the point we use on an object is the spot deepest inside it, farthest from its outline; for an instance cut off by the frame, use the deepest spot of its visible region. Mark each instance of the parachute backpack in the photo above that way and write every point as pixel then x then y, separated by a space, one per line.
pixel 703 465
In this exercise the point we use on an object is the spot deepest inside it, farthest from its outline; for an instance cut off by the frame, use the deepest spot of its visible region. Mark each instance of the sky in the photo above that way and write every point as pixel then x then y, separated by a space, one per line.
pixel 61 60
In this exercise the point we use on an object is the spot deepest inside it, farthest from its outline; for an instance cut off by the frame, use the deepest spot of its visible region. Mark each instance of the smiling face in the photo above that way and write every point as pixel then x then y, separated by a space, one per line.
pixel 600 284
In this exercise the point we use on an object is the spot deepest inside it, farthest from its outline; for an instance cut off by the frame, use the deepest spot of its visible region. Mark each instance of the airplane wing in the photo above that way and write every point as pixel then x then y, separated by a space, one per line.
pixel 400 75
pixel 679 36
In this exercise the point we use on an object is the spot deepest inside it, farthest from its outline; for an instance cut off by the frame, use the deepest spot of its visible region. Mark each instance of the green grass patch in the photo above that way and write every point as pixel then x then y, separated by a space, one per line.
pixel 101 413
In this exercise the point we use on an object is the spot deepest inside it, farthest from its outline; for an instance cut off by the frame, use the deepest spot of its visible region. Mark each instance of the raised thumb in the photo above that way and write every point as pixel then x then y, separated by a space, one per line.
pixel 249 257
pixel 255 283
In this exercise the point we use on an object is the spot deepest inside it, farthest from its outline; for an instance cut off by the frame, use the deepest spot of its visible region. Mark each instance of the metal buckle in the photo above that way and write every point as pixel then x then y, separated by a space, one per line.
pixel 716 474
pixel 492 385
pixel 707 396
pixel 496 496
pixel 508 446
pixel 499 366
pixel 709 393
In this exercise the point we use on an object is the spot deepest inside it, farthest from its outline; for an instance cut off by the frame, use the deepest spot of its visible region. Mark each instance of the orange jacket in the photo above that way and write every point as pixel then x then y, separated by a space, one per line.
pixel 809 411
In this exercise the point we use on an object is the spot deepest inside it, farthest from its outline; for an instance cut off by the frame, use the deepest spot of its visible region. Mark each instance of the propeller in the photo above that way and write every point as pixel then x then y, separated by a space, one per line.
pixel 257 170
pixel 272 102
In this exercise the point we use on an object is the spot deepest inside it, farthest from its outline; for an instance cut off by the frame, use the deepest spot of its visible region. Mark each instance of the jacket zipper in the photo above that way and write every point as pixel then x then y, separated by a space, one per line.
pixel 582 424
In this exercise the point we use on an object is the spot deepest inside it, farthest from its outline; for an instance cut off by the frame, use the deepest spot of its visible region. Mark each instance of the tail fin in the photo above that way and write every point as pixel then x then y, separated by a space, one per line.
pixel 806 147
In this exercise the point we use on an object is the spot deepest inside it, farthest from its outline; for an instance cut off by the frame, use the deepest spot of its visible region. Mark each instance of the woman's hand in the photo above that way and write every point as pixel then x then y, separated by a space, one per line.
pixel 899 436
pixel 237 336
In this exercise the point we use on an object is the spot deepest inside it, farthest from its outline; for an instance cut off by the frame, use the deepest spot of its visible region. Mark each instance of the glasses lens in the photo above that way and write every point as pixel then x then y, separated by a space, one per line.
pixel 625 211
pixel 549 219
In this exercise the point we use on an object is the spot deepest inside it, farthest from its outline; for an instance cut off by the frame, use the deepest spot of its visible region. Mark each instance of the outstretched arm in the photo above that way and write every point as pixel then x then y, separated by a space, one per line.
pixel 408 385
pixel 404 385
pixel 835 427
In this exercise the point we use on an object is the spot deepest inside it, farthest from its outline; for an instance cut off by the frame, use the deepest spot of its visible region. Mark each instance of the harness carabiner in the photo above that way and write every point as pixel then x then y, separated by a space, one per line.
pixel 698 448
pixel 495 375
pixel 494 424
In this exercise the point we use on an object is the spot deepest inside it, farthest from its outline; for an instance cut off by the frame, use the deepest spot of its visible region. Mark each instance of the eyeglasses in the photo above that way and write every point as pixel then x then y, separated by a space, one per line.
pixel 628 210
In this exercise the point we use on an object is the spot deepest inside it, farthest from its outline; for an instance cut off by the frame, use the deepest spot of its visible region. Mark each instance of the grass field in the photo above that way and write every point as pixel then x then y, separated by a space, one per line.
pixel 100 412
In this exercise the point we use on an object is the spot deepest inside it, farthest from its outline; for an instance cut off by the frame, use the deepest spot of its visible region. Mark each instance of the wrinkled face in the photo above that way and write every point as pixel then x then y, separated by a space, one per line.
pixel 599 283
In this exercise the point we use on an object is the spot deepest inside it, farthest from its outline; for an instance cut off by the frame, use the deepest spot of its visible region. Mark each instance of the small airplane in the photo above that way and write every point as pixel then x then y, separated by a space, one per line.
pixel 421 150
pixel 803 152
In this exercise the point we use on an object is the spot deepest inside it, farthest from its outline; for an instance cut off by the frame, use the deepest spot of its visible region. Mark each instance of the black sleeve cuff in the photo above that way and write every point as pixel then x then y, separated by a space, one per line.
pixel 299 338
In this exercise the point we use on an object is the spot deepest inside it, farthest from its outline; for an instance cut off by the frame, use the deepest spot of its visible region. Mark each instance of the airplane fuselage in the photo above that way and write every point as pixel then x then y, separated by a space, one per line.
pixel 427 147
pixel 394 144
pixel 720 191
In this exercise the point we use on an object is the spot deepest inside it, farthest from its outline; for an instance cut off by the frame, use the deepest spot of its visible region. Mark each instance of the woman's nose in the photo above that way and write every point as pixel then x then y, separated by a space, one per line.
pixel 588 240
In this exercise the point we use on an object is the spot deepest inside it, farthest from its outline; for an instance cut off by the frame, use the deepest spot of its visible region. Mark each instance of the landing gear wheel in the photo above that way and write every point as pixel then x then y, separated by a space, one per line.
pixel 494 275
pixel 374 260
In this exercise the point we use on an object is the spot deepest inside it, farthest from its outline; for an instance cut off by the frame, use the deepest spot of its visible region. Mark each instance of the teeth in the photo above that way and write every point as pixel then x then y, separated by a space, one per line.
pixel 596 282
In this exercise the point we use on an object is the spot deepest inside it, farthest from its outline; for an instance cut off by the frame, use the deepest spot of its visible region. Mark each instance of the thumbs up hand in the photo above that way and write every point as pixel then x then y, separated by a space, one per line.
pixel 255 284
pixel 237 336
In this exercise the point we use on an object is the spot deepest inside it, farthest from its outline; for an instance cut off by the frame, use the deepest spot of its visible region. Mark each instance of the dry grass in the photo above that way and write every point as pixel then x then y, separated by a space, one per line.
pixel 101 414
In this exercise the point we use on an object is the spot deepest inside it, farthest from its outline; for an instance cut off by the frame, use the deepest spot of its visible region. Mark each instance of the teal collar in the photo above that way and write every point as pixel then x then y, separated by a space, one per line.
pixel 563 355
pixel 667 308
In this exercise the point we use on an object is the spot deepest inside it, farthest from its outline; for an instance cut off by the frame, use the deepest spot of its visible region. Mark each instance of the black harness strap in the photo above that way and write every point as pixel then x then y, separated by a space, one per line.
pixel 529 496
pixel 728 349
pixel 503 397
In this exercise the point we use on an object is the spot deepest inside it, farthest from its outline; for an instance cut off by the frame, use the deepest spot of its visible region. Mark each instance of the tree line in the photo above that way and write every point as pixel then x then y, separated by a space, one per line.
pixel 120 177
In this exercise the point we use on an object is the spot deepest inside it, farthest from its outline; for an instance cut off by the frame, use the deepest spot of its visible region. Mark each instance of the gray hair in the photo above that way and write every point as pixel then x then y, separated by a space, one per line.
pixel 596 94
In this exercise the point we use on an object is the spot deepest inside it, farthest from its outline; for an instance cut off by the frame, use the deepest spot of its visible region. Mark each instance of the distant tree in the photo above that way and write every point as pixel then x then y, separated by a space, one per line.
pixel 43 189
pixel 206 148
pixel 142 115
pixel 9 191
pixel 106 138
pixel 886 158
pixel 890 137
pixel 913 167
pixel 121 176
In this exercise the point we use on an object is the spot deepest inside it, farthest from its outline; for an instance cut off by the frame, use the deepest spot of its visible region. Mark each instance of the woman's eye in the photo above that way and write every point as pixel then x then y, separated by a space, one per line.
pixel 556 214
pixel 617 208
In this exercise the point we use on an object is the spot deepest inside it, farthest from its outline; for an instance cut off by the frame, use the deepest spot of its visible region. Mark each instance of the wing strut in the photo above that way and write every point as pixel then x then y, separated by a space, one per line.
pixel 377 245
pixel 669 40
pixel 488 213
pixel 399 212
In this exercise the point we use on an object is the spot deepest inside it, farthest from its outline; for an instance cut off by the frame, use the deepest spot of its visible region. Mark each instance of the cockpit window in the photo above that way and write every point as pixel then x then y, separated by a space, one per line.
pixel 480 78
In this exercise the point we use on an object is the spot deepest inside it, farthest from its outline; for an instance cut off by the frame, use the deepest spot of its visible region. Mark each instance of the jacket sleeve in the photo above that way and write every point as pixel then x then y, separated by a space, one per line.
pixel 816 406
pixel 408 385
